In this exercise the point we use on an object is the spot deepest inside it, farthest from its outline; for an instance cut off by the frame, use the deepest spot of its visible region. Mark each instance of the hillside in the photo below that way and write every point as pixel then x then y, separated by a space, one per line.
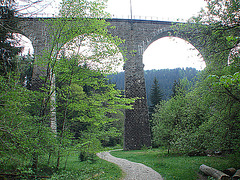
pixel 165 77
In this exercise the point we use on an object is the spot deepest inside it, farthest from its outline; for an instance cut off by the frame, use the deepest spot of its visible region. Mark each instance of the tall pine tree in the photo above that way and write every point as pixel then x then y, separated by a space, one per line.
pixel 175 87
pixel 156 95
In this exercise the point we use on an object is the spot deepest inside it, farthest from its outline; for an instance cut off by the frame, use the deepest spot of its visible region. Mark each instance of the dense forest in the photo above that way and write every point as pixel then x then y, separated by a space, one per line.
pixel 165 77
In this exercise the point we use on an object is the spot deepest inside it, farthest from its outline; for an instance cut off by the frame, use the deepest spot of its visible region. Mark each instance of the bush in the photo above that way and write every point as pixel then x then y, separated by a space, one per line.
pixel 86 156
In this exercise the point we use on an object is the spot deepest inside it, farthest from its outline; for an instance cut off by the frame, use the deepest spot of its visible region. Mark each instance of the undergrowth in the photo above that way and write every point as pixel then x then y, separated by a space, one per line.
pixel 72 169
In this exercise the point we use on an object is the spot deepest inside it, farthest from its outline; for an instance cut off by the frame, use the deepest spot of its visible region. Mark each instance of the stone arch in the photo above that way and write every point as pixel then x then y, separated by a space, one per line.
pixel 81 45
pixel 168 32
pixel 36 31
pixel 165 37
pixel 22 31
pixel 25 43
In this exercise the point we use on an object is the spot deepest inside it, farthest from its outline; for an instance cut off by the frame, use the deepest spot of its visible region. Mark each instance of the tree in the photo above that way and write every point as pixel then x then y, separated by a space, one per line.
pixel 173 119
pixel 156 96
pixel 22 132
pixel 27 8
pixel 81 90
pixel 207 116
pixel 176 87
pixel 156 93
pixel 77 80
pixel 7 41
pixel 222 80
pixel 89 106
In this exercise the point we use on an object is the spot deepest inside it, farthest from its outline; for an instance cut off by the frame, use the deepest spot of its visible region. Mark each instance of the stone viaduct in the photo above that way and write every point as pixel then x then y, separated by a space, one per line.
pixel 138 35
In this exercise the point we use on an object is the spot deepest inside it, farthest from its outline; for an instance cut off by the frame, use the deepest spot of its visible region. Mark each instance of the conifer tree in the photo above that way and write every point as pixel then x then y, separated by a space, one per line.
pixel 156 95
pixel 176 87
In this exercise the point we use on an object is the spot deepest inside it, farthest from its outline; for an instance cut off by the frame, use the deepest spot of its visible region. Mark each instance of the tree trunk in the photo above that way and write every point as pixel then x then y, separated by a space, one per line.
pixel 58 159
pixel 214 172
pixel 53 119
pixel 66 160
pixel 230 171
pixel 236 175
pixel 64 121
pixel 49 157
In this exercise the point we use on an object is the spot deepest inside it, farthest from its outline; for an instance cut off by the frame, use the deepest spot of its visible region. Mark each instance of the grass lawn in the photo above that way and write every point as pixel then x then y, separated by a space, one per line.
pixel 97 169
pixel 74 170
pixel 174 166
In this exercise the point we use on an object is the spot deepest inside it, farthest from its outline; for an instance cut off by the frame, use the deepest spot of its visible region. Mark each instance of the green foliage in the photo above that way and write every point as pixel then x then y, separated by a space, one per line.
pixel 83 97
pixel 73 89
pixel 198 120
pixel 207 117
pixel 156 96
pixel 156 93
pixel 75 169
pixel 22 133
pixel 165 77
pixel 174 118
pixel 7 41
pixel 176 87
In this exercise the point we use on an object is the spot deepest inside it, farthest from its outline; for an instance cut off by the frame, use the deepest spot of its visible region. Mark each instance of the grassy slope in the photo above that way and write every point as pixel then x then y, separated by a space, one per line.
pixel 173 166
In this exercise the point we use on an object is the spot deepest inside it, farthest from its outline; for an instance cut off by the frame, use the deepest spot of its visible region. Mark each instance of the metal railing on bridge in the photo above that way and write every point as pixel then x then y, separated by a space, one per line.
pixel 153 18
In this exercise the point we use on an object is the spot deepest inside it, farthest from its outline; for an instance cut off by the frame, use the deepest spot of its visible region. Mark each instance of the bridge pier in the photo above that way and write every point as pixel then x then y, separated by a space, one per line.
pixel 136 126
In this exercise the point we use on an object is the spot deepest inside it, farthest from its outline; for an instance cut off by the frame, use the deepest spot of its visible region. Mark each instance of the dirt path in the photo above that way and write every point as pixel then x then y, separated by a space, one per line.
pixel 132 170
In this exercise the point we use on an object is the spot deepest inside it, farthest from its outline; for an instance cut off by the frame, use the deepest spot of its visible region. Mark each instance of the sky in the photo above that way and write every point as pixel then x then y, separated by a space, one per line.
pixel 160 9
pixel 165 52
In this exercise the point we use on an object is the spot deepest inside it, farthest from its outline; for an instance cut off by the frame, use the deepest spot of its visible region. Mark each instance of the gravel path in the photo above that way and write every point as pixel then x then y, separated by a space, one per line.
pixel 132 170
